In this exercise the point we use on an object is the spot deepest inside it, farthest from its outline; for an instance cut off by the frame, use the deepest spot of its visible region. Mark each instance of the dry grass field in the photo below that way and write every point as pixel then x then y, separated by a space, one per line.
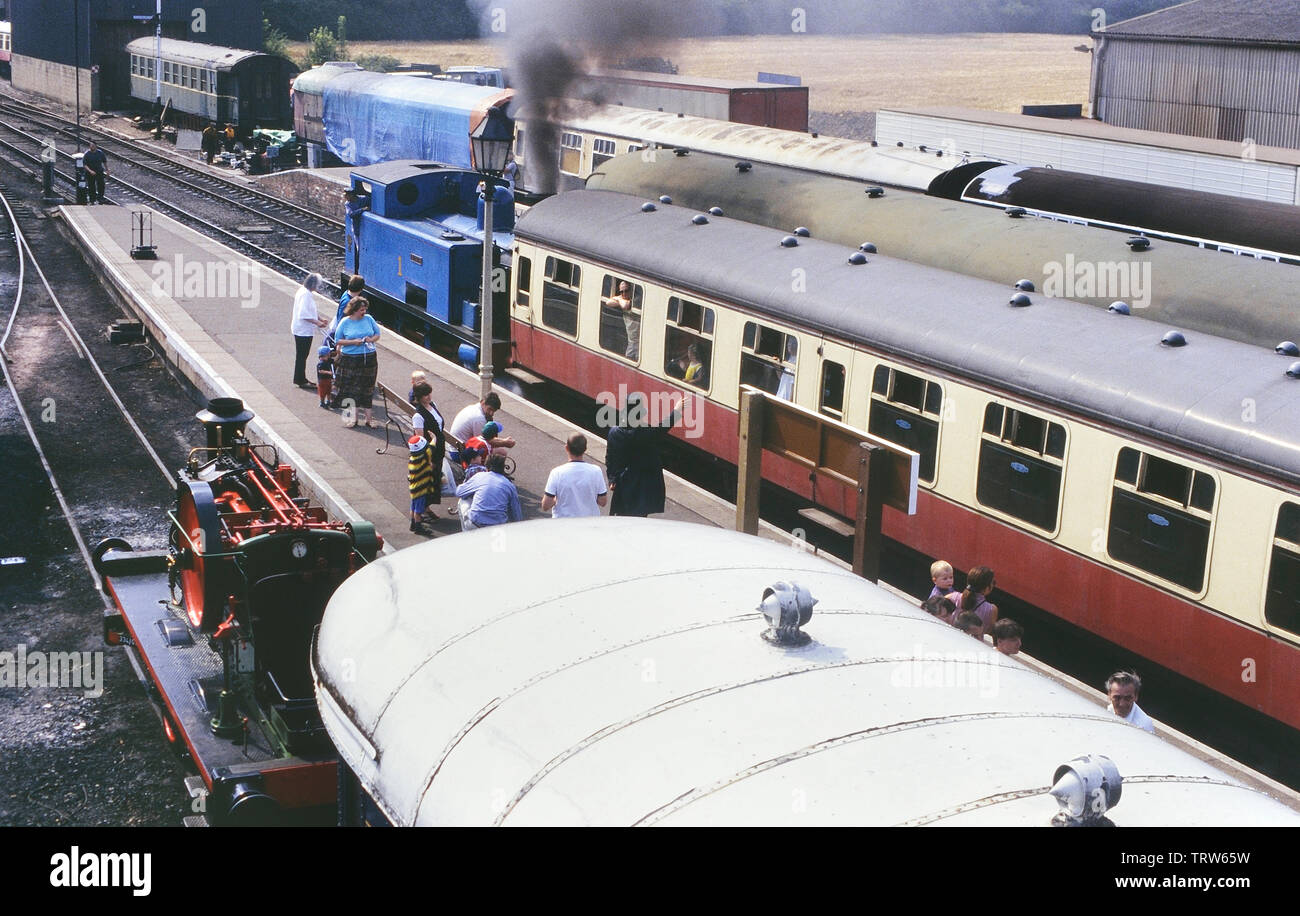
pixel 999 72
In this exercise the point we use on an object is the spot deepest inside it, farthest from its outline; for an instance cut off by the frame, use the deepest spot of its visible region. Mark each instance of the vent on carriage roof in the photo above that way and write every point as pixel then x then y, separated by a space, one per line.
pixel 648 207
pixel 868 247
pixel 1020 300
pixel 715 211
pixel 874 192
pixel 802 232
pixel 1119 307
pixel 1293 370
pixel 681 151
pixel 789 241
pixel 1025 286
pixel 699 219
pixel 1016 212
pixel 857 258
pixel 1287 348
pixel 1173 339
pixel 1138 243
pixel 742 166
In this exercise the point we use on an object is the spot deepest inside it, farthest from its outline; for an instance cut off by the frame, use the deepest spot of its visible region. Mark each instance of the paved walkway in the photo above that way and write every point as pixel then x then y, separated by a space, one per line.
pixel 223 321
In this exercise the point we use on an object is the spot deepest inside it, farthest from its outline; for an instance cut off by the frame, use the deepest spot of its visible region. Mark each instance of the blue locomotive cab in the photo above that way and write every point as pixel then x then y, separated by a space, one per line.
pixel 416 235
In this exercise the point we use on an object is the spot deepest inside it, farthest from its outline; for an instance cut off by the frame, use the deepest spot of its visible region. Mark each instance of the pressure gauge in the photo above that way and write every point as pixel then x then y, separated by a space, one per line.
pixel 299 549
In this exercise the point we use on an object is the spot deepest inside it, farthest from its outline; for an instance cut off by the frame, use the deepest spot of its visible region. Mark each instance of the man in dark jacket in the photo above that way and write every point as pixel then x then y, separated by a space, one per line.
pixel 634 462
pixel 95 165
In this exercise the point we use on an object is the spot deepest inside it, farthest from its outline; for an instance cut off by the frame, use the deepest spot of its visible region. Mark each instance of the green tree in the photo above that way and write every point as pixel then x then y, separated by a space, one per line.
pixel 343 37
pixel 324 46
pixel 274 41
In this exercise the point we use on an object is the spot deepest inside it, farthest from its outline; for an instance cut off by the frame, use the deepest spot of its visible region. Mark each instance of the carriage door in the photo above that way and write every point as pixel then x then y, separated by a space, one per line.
pixel 827 379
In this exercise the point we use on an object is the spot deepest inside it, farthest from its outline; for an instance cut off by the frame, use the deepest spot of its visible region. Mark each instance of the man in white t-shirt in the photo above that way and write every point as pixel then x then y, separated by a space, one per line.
pixel 1122 688
pixel 470 422
pixel 576 489
pixel 304 326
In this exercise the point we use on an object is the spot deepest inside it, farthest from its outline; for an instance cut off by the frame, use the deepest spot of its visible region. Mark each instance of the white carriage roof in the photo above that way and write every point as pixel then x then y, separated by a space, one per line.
pixel 1110 368
pixel 189 52
pixel 904 168
pixel 611 671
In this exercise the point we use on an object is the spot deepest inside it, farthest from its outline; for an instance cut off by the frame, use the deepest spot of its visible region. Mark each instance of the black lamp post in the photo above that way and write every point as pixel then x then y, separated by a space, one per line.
pixel 490 146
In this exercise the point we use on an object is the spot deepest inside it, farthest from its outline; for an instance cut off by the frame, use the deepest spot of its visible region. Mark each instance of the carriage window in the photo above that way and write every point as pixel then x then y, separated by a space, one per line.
pixel 571 153
pixel 620 316
pixel 523 292
pixel 832 400
pixel 602 151
pixel 1021 465
pixel 905 410
pixel 767 359
pixel 688 349
pixel 1282 599
pixel 560 296
pixel 1160 514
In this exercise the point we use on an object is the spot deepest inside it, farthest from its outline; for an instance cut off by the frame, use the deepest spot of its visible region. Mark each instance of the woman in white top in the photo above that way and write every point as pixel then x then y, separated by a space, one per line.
pixel 304 326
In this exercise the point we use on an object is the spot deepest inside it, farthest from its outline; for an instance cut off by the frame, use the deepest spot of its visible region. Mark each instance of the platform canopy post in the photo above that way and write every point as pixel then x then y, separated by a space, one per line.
pixel 750 462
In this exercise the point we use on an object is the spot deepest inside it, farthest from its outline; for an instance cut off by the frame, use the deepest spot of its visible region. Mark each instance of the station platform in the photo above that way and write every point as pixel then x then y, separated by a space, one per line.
pixel 223 321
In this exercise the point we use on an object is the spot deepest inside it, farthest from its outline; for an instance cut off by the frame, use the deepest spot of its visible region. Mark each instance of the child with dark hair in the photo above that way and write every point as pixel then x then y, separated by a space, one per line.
pixel 940 606
pixel 325 375
pixel 969 623
pixel 1006 636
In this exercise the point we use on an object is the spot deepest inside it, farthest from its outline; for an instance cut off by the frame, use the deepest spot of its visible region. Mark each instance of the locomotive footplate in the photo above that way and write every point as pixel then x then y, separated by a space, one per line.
pixel 277 759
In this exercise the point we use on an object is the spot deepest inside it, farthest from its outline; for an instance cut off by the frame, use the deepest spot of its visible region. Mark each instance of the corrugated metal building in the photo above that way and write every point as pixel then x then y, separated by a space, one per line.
pixel 57 42
pixel 1225 69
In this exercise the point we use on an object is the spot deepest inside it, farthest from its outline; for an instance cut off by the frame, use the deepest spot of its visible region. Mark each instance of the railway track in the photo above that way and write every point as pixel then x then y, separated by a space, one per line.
pixel 90 430
pixel 289 242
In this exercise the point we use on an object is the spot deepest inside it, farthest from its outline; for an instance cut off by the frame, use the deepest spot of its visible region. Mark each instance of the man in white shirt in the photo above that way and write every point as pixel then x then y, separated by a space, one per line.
pixel 1123 687
pixel 575 489
pixel 470 422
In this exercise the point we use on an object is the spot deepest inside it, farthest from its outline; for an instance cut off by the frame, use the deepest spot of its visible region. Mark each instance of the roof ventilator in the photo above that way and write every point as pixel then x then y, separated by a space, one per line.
pixel 1287 348
pixel 1293 370
pixel 681 151
pixel 802 232
pixel 786 606
pixel 1016 212
pixel 1119 307
pixel 857 258
pixel 874 191
pixel 1025 286
pixel 1020 300
pixel 1139 243
pixel 715 211
pixel 1173 339
pixel 1085 789
pixel 648 207
pixel 699 219
pixel 665 199
pixel 742 167
pixel 868 247
pixel 789 242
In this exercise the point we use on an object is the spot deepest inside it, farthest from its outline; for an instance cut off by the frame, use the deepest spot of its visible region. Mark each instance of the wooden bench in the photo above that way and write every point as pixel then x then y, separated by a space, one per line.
pixel 827 521
pixel 398 412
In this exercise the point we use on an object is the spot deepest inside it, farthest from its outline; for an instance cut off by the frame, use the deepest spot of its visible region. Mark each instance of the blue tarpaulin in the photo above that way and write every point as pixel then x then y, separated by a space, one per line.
pixel 378 117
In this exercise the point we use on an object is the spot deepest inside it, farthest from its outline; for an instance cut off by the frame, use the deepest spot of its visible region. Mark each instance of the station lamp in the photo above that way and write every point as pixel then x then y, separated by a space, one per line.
pixel 490 143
